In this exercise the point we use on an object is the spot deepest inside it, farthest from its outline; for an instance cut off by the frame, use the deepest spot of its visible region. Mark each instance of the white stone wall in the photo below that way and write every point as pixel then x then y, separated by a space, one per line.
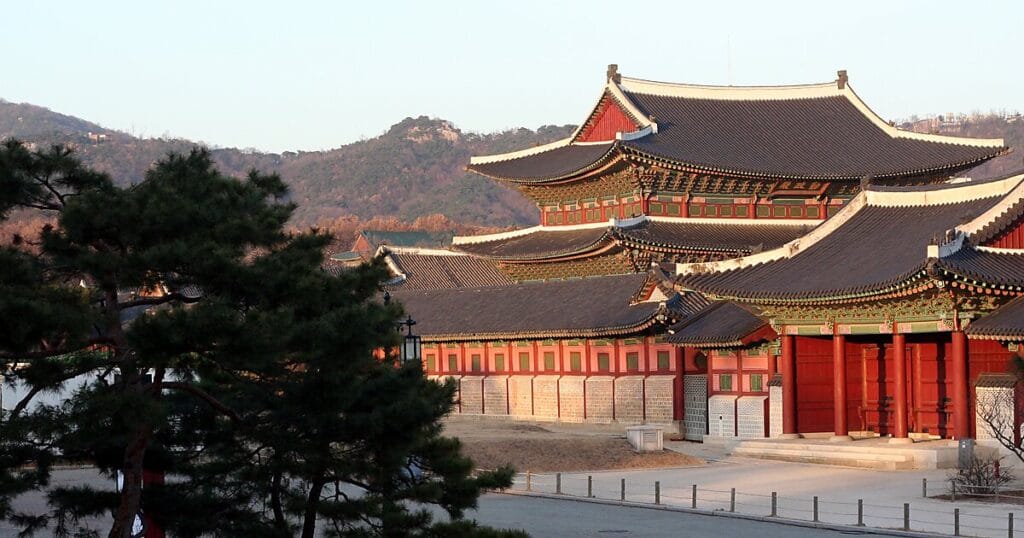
pixel 997 403
pixel 545 397
pixel 599 399
pixel 750 419
pixel 496 395
pixel 570 389
pixel 521 396
pixel 472 395
pixel 629 399
pixel 722 416
pixel 775 411
pixel 659 398
pixel 695 406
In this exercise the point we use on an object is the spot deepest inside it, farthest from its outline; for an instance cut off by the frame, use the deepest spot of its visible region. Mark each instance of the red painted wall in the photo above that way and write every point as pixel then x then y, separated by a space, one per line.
pixel 1012 237
pixel 608 120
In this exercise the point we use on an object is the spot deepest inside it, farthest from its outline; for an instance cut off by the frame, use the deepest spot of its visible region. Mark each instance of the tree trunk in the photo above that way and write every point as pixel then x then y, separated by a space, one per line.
pixel 131 489
pixel 275 502
pixel 312 502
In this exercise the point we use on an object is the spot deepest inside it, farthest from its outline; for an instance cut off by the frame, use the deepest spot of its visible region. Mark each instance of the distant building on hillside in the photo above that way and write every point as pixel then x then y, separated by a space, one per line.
pixel 367 241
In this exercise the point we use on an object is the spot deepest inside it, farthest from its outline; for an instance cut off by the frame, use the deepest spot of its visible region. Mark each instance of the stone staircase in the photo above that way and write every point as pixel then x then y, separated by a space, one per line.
pixel 869 454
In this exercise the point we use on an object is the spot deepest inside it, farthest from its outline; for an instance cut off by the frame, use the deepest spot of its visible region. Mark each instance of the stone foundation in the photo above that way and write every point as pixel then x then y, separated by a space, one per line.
pixel 569 398
pixel 599 399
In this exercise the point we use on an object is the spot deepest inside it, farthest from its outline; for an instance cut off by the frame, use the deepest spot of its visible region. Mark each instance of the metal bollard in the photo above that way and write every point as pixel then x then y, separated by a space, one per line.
pixel 906 516
pixel 924 488
pixel 694 497
pixel 815 508
pixel 528 480
pixel 1009 526
pixel 952 491
pixel 590 486
pixel 860 512
pixel 657 492
pixel 732 499
pixel 558 483
pixel 775 505
pixel 622 494
pixel 956 522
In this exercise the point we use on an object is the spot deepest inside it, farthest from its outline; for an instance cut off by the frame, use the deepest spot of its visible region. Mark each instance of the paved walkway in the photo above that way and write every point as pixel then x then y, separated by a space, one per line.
pixel 838 490
pixel 566 518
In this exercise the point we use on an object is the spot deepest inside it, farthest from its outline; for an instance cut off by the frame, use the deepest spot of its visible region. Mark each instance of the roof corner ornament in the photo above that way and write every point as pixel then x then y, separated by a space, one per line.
pixel 866 182
pixel 842 79
pixel 613 73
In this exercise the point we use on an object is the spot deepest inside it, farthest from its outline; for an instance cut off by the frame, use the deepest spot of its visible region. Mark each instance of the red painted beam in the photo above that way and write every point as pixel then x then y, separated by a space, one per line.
pixel 961 409
pixel 899 364
pixel 839 384
pixel 788 384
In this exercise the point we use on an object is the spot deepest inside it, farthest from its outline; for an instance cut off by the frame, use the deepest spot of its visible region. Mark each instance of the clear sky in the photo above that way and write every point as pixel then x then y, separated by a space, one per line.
pixel 290 75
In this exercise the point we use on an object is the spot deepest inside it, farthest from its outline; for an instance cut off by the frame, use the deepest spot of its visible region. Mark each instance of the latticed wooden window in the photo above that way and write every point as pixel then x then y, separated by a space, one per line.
pixel 725 382
pixel 755 383
pixel 549 360
pixel 453 363
pixel 575 361
pixel 499 362
pixel 632 360
pixel 664 360
pixel 431 362
pixel 603 362
pixel 475 362
pixel 524 362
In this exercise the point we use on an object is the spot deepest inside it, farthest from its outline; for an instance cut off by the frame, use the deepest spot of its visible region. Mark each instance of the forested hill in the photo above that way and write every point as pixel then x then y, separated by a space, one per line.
pixel 415 169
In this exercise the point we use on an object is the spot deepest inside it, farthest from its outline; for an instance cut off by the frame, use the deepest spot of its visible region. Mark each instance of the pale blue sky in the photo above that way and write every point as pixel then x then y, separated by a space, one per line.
pixel 313 75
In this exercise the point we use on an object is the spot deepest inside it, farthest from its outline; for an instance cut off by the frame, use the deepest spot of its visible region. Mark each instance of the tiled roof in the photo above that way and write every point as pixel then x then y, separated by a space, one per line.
pixel 992 268
pixel 688 236
pixel 814 132
pixel 1005 323
pixel 547 165
pixel 585 307
pixel 722 324
pixel 424 271
pixel 877 247
pixel 408 239
pixel 821 137
pixel 539 245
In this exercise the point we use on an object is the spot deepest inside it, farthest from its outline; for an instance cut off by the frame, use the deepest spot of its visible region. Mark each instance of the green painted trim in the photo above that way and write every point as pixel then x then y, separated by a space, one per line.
pixel 865 329
pixel 921 327
pixel 809 331
pixel 631 341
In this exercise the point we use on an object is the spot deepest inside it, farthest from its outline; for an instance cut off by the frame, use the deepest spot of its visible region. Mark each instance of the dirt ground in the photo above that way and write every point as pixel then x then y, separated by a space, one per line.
pixel 554 448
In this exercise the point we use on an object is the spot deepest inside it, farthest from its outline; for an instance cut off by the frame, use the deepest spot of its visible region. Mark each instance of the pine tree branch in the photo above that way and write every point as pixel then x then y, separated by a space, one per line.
pixel 202 395
pixel 155 301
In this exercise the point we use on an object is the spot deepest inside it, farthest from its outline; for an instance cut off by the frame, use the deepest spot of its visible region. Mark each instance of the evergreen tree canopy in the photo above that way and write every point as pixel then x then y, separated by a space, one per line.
pixel 216 352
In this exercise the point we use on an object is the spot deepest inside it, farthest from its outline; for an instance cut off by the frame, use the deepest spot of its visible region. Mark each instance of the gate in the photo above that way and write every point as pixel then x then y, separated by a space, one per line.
pixel 695 410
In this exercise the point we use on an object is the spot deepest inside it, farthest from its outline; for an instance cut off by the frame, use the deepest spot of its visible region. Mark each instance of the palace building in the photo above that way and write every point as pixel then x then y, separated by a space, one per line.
pixel 738 262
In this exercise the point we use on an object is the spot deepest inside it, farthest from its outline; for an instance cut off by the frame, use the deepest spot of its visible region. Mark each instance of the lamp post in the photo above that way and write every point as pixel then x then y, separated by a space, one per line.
pixel 411 345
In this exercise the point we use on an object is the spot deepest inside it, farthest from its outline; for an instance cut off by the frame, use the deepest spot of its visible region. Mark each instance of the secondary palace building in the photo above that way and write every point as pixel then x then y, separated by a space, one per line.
pixel 738 261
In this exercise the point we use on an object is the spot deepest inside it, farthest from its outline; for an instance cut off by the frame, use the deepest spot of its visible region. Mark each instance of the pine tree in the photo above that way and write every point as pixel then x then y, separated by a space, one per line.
pixel 219 354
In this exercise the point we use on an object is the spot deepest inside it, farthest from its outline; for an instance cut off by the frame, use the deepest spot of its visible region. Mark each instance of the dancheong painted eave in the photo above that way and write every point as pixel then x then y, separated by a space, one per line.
pixel 812 132
pixel 856 254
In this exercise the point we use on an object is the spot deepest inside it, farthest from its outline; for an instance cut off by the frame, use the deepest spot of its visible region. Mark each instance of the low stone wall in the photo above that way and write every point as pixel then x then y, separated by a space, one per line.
pixel 600 405
pixel 496 395
pixel 570 398
pixel 634 399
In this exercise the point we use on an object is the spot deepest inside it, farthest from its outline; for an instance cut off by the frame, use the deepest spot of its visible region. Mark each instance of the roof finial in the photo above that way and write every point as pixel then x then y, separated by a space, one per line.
pixel 866 181
pixel 843 79
pixel 613 73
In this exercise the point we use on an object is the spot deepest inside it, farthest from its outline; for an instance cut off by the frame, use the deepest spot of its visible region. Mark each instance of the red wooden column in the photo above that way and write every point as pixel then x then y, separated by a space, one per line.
pixel 788 368
pixel 842 432
pixel 899 364
pixel 961 395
